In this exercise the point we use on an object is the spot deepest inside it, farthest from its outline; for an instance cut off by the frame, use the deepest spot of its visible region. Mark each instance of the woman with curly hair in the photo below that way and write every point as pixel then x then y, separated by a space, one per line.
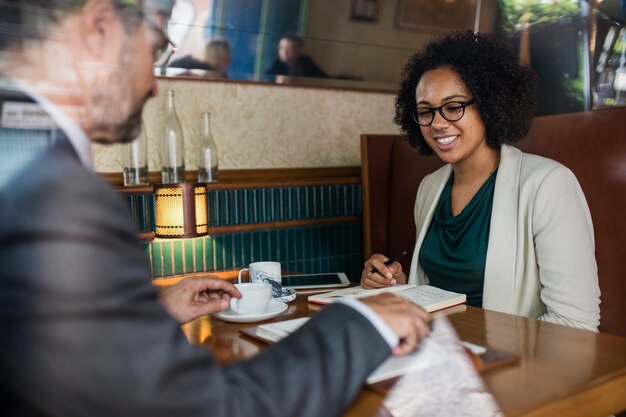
pixel 511 230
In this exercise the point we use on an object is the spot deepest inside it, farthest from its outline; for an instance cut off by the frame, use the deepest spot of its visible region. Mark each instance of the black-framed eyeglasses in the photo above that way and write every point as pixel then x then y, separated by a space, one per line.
pixel 452 111
pixel 166 48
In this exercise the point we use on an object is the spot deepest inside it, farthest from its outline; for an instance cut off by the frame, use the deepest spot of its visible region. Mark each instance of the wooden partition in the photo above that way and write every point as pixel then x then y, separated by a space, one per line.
pixel 309 219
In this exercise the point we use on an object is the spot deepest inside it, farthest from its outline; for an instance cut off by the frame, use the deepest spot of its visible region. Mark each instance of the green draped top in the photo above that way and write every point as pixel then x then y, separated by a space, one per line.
pixel 454 250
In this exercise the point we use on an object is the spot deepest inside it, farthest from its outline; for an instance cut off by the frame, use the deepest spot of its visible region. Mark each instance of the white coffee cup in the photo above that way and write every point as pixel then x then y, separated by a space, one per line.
pixel 263 272
pixel 255 298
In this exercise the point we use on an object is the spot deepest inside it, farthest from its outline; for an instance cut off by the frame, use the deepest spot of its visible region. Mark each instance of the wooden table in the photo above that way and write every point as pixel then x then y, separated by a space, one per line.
pixel 562 371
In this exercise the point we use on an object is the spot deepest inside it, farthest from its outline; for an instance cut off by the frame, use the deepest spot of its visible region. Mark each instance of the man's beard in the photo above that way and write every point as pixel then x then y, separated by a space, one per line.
pixel 113 114
pixel 127 132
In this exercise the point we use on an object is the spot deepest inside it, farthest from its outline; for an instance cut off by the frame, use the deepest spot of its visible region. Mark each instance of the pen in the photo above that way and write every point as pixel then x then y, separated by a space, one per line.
pixel 390 261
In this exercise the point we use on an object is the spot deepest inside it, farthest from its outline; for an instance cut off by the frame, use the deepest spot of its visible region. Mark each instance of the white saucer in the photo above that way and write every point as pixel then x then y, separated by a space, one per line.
pixel 287 295
pixel 273 310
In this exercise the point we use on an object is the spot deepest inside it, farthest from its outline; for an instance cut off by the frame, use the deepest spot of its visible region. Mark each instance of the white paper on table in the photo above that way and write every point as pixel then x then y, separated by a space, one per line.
pixel 444 383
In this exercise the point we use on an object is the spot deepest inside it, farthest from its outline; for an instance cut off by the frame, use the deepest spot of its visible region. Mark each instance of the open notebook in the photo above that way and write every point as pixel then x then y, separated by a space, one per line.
pixel 430 298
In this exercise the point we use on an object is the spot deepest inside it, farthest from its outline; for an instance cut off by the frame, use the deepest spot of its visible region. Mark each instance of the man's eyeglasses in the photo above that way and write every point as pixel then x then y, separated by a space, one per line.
pixel 451 111
pixel 165 48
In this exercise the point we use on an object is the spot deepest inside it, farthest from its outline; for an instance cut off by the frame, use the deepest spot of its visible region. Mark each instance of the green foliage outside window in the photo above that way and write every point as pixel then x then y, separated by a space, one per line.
pixel 517 13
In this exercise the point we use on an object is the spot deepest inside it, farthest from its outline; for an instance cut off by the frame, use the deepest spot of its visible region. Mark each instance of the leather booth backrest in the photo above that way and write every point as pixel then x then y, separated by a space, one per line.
pixel 592 144
pixel 391 171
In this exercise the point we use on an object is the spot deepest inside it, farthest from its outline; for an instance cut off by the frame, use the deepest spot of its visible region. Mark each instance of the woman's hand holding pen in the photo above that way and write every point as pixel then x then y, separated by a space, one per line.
pixel 380 271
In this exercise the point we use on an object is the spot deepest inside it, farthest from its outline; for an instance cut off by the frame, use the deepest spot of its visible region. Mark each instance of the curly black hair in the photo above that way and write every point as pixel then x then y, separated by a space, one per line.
pixel 503 89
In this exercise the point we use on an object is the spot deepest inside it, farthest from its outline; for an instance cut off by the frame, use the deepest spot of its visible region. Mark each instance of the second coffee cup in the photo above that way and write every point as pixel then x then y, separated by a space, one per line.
pixel 267 272
pixel 255 298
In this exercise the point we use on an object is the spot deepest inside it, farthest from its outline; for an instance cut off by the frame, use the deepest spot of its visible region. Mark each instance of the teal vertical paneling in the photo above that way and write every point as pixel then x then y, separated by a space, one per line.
pixel 178 258
pixel 146 247
pixel 218 252
pixel 157 259
pixel 333 242
pixel 188 256
pixel 270 207
pixel 299 244
pixel 264 204
pixel 224 208
pixel 216 211
pixel 237 207
pixel 244 200
pixel 282 245
pixel 307 242
pixel 328 201
pixel 291 209
pixel 264 246
pixel 324 238
pixel 167 257
pixel 254 208
pixel 197 247
pixel 359 203
pixel 304 202
pixel 238 257
pixel 317 237
pixel 227 252
pixel 151 211
pixel 209 259
pixel 274 238
pixel 247 247
pixel 298 209
pixel 256 247
pixel 282 204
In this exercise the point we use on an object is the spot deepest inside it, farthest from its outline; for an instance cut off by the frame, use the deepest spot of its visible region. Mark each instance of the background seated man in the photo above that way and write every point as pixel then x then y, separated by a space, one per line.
pixel 292 62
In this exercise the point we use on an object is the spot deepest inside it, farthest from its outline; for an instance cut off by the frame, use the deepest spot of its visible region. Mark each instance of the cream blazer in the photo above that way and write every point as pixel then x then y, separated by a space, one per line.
pixel 540 256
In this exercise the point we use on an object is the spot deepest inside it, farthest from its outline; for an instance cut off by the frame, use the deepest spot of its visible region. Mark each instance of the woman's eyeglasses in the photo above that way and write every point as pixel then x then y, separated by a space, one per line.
pixel 452 111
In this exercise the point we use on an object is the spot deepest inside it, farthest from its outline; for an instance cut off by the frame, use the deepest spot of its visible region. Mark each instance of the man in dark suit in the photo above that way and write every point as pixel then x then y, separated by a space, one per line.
pixel 292 62
pixel 82 331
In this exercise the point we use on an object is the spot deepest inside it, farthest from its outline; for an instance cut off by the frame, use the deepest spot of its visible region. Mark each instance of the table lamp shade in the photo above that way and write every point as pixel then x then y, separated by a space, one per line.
pixel 181 210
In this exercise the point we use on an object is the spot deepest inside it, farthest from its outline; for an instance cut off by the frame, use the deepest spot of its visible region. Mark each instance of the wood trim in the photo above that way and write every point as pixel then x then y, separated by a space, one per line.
pixel 223 185
pixel 265 174
pixel 162 283
pixel 138 189
pixel 268 225
pixel 356 86
pixel 145 235
pixel 365 193
pixel 280 225
pixel 255 178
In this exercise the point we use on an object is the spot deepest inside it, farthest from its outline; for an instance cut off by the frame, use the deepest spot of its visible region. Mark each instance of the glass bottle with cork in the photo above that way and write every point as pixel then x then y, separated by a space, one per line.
pixel 208 166
pixel 135 156
pixel 172 146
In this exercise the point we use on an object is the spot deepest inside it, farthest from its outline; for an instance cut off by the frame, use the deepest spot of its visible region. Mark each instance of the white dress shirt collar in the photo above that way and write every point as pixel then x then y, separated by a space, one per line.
pixel 77 136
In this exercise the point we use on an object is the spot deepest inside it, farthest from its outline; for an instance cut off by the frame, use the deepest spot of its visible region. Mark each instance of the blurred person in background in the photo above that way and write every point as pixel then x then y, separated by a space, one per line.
pixel 292 62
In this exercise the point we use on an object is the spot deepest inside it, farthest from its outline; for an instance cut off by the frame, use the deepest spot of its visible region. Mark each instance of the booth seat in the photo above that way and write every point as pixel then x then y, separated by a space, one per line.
pixel 592 144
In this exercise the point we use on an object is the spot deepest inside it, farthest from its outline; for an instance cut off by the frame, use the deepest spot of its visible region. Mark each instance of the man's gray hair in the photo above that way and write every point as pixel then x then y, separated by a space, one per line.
pixel 32 19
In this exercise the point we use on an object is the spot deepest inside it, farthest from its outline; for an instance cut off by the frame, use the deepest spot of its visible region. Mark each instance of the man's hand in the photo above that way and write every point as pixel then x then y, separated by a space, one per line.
pixel 194 297
pixel 407 320
pixel 386 275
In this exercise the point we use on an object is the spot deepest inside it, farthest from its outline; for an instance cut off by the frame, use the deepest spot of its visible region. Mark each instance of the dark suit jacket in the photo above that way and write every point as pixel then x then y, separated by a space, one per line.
pixel 303 67
pixel 190 62
pixel 82 332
